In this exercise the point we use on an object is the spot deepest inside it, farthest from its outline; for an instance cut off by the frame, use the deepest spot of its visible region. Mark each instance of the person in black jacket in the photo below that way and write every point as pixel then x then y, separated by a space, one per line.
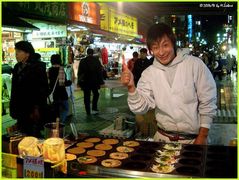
pixel 140 65
pixel 89 79
pixel 29 91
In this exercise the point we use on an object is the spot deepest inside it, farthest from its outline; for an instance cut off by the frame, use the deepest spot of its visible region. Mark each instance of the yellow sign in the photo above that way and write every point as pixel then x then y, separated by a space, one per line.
pixel 116 22
pixel 47 49
pixel 104 17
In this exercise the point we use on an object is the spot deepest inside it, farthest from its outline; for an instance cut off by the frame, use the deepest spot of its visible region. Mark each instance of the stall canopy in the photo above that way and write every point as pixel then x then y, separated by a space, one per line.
pixel 11 20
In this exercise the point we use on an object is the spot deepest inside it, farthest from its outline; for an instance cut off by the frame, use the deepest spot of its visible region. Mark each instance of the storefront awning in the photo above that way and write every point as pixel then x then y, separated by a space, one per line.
pixel 10 20
pixel 102 32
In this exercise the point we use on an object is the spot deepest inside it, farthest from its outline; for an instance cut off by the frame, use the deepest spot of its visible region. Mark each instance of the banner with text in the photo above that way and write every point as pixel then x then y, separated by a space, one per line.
pixel 116 22
pixel 86 12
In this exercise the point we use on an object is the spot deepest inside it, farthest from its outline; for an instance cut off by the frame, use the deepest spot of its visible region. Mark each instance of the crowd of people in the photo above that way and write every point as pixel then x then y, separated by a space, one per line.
pixel 220 64
pixel 32 84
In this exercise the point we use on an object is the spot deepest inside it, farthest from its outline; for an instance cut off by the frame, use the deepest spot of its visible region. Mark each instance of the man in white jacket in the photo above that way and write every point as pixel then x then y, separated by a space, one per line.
pixel 178 86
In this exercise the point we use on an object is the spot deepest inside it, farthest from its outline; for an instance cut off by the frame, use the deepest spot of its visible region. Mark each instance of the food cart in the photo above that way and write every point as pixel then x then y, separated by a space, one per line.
pixel 122 157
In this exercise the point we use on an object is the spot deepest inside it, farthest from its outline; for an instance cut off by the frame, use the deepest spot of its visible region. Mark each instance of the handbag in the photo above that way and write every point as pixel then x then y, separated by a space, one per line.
pixel 50 97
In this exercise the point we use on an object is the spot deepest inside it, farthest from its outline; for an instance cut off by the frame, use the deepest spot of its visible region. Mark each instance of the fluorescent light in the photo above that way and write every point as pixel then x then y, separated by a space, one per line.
pixel 11 29
pixel 75 29
pixel 97 34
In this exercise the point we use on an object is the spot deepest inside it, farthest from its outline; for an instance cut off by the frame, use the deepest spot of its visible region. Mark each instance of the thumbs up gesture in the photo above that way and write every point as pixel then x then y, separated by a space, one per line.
pixel 127 78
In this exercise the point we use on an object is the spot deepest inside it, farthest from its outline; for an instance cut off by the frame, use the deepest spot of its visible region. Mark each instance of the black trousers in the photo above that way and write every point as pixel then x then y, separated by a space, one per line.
pixel 87 94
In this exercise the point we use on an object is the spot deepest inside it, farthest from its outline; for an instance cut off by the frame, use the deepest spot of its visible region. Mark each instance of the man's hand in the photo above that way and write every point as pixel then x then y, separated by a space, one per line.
pixel 127 78
pixel 202 136
pixel 200 140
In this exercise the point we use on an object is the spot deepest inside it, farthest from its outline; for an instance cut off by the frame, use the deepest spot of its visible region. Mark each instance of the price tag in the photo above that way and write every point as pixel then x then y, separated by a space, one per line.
pixel 33 167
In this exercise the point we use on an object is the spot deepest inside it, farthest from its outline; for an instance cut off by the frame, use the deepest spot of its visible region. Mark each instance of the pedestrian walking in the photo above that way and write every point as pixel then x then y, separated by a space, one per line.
pixel 90 79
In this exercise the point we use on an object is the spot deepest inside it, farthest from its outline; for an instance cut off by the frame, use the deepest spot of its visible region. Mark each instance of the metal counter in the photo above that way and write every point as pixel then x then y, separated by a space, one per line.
pixel 193 161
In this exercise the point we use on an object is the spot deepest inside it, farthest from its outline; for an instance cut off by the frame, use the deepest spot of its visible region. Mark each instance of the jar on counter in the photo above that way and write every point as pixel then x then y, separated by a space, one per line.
pixel 53 150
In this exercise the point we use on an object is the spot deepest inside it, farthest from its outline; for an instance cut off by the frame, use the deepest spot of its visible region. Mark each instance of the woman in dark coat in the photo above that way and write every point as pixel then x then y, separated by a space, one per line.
pixel 29 91
pixel 60 97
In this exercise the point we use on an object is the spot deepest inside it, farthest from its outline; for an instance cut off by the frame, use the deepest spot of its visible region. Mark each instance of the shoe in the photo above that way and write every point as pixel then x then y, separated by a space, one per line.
pixel 94 112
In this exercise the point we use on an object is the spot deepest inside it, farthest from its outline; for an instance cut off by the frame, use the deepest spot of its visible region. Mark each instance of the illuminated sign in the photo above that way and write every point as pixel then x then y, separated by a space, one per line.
pixel 190 28
pixel 48 10
pixel 49 30
pixel 104 17
pixel 116 22
pixel 86 12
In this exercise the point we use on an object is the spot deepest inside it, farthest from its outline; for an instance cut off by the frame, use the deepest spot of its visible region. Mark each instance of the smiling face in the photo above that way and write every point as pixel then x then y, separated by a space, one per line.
pixel 163 50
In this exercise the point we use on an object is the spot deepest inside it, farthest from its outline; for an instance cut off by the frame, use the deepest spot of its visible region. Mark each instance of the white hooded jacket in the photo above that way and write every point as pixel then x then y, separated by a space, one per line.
pixel 182 93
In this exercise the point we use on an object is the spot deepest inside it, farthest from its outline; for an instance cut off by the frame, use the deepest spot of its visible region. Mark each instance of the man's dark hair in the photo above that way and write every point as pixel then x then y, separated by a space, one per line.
pixel 55 59
pixel 157 31
pixel 135 54
pixel 37 56
pixel 90 51
pixel 26 47
pixel 143 50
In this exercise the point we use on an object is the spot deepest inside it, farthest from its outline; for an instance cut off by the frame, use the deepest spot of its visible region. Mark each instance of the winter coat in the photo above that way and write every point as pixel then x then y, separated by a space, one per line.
pixel 90 73
pixel 139 66
pixel 29 89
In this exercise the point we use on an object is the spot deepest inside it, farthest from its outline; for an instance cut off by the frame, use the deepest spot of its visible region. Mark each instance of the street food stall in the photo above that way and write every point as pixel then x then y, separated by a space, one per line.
pixel 98 156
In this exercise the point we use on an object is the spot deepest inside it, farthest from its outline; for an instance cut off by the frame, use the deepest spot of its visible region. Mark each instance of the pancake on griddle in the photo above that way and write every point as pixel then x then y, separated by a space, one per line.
pixel 111 163
pixel 131 143
pixel 93 140
pixel 76 150
pixel 96 153
pixel 103 147
pixel 85 144
pixel 87 159
pixel 111 141
pixel 70 157
pixel 119 155
pixel 124 149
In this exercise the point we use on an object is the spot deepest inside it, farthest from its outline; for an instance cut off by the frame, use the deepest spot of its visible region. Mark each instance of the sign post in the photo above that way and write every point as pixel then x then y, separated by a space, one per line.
pixel 33 167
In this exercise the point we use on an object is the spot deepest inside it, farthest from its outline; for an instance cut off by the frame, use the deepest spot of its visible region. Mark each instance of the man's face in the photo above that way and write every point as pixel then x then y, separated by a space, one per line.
pixel 143 55
pixel 163 50
pixel 21 56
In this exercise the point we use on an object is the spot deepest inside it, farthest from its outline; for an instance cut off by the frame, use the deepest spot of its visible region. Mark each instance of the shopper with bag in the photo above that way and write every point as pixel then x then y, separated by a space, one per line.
pixel 58 83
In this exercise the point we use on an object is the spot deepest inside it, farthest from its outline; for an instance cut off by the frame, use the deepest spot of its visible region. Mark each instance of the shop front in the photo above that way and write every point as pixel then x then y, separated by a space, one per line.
pixel 49 40
pixel 120 39
pixel 46 28
pixel 82 18
pixel 14 29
